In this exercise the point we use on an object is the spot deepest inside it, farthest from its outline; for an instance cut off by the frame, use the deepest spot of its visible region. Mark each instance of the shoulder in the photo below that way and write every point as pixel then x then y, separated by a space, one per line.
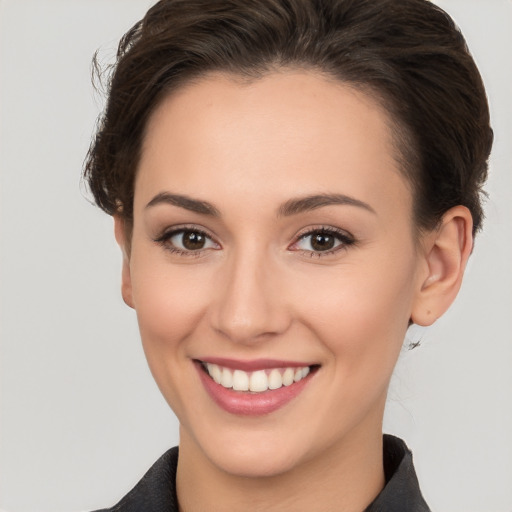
pixel 402 491
pixel 156 491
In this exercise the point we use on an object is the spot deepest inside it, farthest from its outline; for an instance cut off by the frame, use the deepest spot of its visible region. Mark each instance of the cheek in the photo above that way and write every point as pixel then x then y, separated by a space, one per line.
pixel 361 311
pixel 169 300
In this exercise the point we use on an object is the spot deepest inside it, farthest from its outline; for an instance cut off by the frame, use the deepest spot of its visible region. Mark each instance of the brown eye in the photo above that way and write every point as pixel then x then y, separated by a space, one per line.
pixel 193 241
pixel 187 241
pixel 322 241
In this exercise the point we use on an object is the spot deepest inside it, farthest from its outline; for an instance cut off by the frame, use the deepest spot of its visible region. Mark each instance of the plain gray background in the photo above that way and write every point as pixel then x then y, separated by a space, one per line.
pixel 81 419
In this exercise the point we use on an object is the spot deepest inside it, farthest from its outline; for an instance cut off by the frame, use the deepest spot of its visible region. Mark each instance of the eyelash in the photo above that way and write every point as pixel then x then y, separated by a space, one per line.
pixel 165 237
pixel 345 239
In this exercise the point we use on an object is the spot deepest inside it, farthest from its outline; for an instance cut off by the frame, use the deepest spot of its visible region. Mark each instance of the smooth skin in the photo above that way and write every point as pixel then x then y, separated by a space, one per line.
pixel 243 279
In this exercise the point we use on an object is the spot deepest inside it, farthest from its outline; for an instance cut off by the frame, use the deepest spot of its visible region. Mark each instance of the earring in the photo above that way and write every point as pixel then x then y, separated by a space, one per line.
pixel 414 336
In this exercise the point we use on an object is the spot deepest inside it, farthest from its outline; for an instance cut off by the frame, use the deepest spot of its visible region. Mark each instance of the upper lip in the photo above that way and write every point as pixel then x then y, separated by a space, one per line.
pixel 253 364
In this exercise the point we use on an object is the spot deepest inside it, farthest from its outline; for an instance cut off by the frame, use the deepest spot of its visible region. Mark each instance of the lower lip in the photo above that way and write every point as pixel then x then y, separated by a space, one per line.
pixel 246 403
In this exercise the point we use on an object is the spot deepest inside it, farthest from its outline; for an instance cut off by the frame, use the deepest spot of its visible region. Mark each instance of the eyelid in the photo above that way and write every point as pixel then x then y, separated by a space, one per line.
pixel 179 228
pixel 170 231
pixel 346 239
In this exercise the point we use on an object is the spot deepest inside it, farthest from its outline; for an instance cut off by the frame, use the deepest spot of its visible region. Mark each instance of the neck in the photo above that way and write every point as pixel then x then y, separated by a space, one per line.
pixel 346 477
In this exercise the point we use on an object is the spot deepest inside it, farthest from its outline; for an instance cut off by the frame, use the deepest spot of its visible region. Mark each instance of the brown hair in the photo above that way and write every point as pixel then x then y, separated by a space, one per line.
pixel 407 53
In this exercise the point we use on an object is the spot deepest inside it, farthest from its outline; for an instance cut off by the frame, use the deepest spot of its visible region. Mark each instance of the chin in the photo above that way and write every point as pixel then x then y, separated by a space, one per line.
pixel 255 462
pixel 266 451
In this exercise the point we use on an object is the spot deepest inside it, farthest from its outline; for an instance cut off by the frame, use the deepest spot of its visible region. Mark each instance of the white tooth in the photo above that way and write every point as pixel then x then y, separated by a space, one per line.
pixel 298 375
pixel 226 378
pixel 240 381
pixel 258 381
pixel 305 371
pixel 215 372
pixel 275 381
pixel 288 376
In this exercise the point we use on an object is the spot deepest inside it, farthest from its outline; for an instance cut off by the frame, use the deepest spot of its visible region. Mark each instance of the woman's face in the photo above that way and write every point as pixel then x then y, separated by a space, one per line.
pixel 272 237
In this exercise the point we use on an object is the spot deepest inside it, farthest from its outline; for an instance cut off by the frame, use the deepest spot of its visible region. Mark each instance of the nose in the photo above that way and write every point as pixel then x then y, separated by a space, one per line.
pixel 250 305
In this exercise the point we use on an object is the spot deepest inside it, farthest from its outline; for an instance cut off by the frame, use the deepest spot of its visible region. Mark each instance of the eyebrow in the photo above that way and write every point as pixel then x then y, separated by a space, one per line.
pixel 308 203
pixel 194 205
pixel 290 207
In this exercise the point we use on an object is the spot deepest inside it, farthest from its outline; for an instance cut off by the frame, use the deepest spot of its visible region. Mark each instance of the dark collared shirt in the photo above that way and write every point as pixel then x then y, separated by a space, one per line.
pixel 156 492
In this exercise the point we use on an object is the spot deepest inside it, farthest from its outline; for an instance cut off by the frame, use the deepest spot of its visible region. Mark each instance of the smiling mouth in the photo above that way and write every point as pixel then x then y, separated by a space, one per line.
pixel 258 381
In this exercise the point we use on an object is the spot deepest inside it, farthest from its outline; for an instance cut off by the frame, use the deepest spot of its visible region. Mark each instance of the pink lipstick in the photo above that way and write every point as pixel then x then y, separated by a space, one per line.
pixel 256 387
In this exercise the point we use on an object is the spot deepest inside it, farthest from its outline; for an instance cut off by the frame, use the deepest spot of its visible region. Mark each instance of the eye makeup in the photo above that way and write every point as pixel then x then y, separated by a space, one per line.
pixel 322 241
pixel 191 240
pixel 188 240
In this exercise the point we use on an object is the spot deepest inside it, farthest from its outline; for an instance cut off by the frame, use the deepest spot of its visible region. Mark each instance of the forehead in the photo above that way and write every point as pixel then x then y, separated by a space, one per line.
pixel 287 132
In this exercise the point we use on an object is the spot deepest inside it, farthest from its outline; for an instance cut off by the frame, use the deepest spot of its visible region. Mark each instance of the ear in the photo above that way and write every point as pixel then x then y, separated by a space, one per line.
pixel 446 252
pixel 126 280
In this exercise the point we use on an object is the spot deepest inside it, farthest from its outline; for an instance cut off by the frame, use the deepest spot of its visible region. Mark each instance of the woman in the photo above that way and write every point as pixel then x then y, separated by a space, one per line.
pixel 293 184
